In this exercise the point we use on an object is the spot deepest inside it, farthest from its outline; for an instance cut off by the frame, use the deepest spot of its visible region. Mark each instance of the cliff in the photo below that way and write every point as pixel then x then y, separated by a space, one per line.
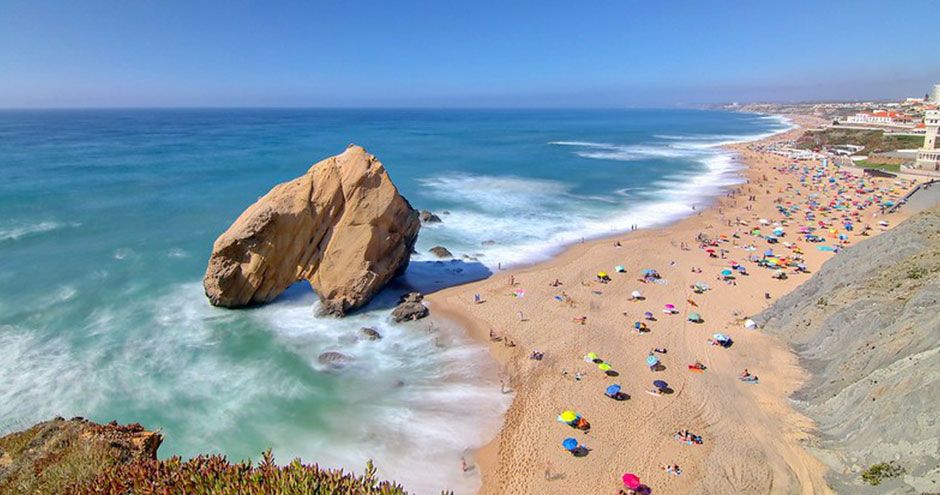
pixel 342 226
pixel 867 326
pixel 54 454
pixel 79 457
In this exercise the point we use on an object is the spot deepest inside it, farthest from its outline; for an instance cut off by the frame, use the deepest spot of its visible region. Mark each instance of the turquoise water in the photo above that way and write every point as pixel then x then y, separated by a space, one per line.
pixel 108 218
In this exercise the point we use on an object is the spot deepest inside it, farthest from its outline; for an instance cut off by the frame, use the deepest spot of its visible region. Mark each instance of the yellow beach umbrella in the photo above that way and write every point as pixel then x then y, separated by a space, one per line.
pixel 568 416
pixel 603 366
pixel 592 355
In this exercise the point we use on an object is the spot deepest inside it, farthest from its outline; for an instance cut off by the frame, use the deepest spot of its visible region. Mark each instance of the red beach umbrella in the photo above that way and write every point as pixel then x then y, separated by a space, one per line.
pixel 631 481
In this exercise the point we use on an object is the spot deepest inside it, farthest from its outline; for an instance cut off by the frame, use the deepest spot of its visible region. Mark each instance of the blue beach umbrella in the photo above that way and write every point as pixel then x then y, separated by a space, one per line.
pixel 613 390
pixel 651 360
pixel 660 384
pixel 569 444
pixel 726 273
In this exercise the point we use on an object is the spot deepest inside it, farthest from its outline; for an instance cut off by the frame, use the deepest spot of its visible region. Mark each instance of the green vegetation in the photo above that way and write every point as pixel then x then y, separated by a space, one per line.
pixel 214 475
pixel 78 457
pixel 49 472
pixel 873 140
pixel 876 473
pixel 887 167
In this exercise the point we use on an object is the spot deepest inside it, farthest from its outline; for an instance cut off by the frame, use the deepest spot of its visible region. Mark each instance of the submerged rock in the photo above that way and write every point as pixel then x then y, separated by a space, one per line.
pixel 333 358
pixel 427 217
pixel 370 333
pixel 342 226
pixel 441 252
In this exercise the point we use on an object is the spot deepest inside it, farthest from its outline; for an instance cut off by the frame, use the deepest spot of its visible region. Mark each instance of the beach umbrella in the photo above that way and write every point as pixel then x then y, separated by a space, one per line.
pixel 603 367
pixel 695 317
pixel 620 269
pixel 569 444
pixel 631 481
pixel 726 273
pixel 636 294
pixel 568 416
pixel 750 324
pixel 651 360
pixel 648 314
pixel 660 384
pixel 769 252
pixel 613 390
pixel 602 274
pixel 720 337
pixel 592 356
pixel 670 307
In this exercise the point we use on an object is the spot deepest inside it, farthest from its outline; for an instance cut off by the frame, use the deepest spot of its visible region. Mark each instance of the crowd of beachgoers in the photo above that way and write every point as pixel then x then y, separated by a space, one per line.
pixel 635 360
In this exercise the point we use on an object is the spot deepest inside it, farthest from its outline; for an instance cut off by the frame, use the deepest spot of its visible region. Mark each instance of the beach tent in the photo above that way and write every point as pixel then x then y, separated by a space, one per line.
pixel 569 444
pixel 695 317
pixel 631 481
pixel 750 324
pixel 619 269
pixel 720 337
pixel 612 390
pixel 651 360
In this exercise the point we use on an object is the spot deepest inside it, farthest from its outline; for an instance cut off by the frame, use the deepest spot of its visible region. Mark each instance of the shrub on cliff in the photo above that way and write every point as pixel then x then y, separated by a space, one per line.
pixel 214 475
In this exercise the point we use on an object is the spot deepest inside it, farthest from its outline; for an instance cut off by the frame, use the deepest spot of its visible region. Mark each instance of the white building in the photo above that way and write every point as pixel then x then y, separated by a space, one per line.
pixel 928 157
pixel 880 117
pixel 935 97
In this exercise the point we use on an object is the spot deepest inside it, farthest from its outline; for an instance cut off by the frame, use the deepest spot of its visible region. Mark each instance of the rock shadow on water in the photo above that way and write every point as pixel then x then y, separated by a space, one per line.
pixel 421 276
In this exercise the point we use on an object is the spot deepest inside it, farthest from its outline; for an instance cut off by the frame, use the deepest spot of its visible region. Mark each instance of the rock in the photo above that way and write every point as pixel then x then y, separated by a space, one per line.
pixel 342 226
pixel 333 358
pixel 409 311
pixel 428 217
pixel 489 243
pixel 410 308
pixel 411 297
pixel 441 252
pixel 370 333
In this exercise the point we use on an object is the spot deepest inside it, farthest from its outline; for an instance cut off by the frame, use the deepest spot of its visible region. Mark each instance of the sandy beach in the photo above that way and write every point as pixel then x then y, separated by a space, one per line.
pixel 752 439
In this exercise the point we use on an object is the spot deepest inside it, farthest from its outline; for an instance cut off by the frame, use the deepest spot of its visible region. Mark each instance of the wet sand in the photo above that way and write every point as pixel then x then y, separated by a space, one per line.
pixel 753 438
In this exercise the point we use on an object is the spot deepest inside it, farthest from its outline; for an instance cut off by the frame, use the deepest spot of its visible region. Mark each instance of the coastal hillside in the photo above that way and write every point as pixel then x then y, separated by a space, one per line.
pixel 867 327
pixel 80 457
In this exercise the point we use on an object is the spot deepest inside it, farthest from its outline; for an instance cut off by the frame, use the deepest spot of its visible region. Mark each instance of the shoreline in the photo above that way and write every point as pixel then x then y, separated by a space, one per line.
pixel 520 459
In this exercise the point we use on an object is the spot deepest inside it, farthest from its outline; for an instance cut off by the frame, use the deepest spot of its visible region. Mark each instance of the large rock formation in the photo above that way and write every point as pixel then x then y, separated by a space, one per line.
pixel 867 327
pixel 342 226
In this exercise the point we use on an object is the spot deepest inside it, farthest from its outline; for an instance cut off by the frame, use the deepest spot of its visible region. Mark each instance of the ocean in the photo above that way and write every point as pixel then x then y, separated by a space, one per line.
pixel 108 218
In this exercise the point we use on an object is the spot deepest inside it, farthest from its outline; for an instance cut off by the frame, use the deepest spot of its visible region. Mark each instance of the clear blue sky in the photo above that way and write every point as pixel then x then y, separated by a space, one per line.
pixel 484 53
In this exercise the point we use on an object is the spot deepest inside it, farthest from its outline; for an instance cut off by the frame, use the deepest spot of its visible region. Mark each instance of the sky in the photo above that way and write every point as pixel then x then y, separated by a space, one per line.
pixel 449 53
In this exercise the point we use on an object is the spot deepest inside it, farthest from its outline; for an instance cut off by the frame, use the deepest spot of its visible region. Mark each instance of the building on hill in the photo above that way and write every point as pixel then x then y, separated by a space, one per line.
pixel 928 157
pixel 935 97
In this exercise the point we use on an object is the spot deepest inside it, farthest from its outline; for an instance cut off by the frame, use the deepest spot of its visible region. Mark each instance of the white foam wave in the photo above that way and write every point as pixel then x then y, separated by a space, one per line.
pixel 520 220
pixel 416 400
pixel 16 233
